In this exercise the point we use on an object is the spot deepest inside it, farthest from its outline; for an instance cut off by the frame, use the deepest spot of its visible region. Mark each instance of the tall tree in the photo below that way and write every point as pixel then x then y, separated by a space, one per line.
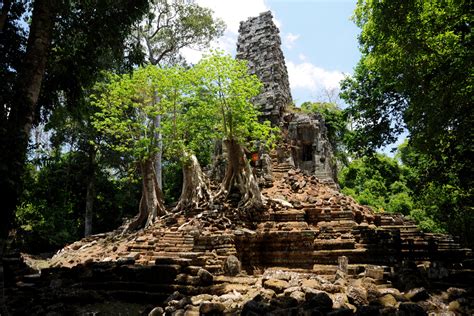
pixel 187 127
pixel 415 74
pixel 17 113
pixel 24 69
pixel 228 90
pixel 169 27
pixel 128 106
pixel 97 42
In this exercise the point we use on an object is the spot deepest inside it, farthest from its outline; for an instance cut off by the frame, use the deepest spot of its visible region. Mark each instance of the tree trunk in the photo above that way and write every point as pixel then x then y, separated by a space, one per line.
pixel 4 14
pixel 14 134
pixel 151 202
pixel 195 192
pixel 159 154
pixel 239 176
pixel 90 195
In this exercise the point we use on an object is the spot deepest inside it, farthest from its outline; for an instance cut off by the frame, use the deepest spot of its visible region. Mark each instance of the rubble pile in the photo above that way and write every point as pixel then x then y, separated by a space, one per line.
pixel 311 250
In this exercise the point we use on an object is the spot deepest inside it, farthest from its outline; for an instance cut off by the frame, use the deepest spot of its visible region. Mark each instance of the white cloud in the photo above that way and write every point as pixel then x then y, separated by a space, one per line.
pixel 302 57
pixel 232 13
pixel 307 76
pixel 290 39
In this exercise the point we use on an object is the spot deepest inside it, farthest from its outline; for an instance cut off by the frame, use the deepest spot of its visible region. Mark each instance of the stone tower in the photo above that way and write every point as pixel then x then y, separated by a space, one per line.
pixel 259 43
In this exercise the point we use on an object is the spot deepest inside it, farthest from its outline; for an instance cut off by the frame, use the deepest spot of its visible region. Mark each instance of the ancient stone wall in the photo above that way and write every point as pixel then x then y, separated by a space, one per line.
pixel 311 150
pixel 259 43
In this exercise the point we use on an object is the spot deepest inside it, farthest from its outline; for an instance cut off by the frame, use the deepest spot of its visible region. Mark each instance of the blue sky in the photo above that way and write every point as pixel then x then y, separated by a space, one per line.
pixel 319 40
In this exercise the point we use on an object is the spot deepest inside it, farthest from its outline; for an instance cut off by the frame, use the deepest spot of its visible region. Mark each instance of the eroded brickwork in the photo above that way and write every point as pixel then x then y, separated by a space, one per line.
pixel 259 43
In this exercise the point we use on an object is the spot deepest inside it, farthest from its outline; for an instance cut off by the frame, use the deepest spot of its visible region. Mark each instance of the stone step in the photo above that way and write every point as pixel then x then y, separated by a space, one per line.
pixel 334 244
pixel 289 216
pixel 324 269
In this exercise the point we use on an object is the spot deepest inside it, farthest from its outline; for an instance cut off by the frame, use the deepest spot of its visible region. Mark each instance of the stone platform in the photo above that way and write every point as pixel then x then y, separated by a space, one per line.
pixel 308 232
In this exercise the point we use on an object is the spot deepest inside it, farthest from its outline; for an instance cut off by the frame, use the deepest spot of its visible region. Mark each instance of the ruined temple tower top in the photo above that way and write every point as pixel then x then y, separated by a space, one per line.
pixel 259 43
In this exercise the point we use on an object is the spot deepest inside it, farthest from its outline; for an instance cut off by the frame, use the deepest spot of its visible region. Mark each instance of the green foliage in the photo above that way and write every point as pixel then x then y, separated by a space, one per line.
pixel 197 106
pixel 50 213
pixel 172 25
pixel 227 90
pixel 172 180
pixel 426 222
pixel 445 203
pixel 127 106
pixel 416 74
pixel 89 37
pixel 378 181
pixel 209 101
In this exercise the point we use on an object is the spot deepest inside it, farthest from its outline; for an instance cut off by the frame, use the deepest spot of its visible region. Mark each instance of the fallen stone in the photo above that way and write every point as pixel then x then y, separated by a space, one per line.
pixel 211 308
pixel 170 310
pixel 374 272
pixel 284 302
pixel 232 266
pixel 330 288
pixel 198 299
pixel 388 300
pixel 276 285
pixel 175 296
pixel 233 296
pixel 454 306
pixel 339 300
pixel 205 277
pixel 310 283
pixel 255 307
pixel 320 300
pixel 291 289
pixel 157 311
pixel 357 295
pixel 298 296
pixel 418 294
pixel 267 294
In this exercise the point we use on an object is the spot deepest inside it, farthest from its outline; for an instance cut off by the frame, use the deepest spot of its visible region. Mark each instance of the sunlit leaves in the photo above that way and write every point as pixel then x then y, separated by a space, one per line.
pixel 196 106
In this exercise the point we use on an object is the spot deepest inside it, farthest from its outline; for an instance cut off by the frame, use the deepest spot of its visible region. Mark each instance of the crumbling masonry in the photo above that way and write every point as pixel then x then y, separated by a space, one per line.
pixel 259 43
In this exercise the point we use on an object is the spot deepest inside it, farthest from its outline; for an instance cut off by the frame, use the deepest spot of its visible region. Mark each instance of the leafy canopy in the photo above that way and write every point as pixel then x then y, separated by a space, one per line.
pixel 226 93
pixel 416 73
pixel 172 25
pixel 209 101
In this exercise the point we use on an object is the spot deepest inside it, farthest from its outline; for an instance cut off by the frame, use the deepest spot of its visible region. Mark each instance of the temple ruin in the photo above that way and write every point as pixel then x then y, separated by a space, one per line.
pixel 310 250
pixel 259 43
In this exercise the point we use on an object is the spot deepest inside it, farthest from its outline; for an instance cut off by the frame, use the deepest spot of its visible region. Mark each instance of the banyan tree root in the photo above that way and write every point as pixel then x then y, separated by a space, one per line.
pixel 239 177
pixel 151 201
pixel 195 192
